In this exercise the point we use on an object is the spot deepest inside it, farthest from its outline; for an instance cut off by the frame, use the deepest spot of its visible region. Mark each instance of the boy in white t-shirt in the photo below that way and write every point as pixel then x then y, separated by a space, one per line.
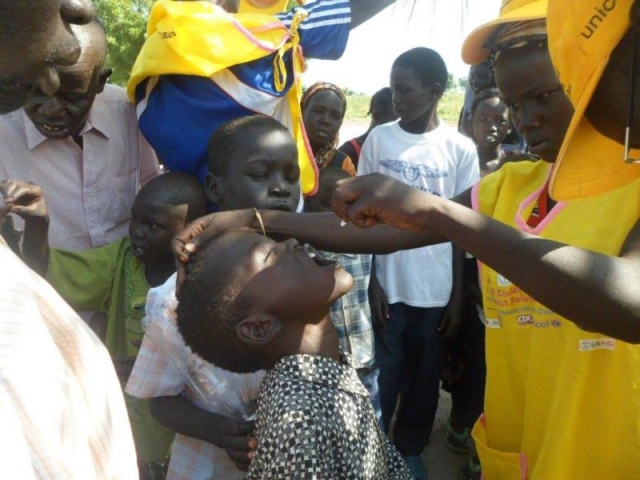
pixel 424 300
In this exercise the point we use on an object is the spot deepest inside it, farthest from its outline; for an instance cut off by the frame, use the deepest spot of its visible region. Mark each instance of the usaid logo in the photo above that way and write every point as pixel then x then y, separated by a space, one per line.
pixel 597 344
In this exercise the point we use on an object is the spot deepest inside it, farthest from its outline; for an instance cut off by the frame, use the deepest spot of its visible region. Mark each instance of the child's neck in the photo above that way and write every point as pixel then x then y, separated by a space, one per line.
pixel 318 339
pixel 157 273
pixel 423 124
pixel 489 159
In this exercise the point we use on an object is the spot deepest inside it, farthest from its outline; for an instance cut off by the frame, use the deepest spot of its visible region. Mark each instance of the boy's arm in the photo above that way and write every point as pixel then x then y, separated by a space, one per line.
pixel 181 416
pixel 27 201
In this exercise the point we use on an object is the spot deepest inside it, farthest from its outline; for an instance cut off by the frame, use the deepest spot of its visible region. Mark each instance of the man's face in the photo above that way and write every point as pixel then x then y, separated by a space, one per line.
pixel 538 106
pixel 65 113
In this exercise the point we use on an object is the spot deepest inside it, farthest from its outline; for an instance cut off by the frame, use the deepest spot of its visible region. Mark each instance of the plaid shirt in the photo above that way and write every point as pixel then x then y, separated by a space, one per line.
pixel 351 314
pixel 315 421
pixel 62 413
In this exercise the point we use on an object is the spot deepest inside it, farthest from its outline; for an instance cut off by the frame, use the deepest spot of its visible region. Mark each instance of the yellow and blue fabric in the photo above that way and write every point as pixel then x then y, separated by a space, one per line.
pixel 201 66
pixel 561 402
pixel 270 7
pixel 112 280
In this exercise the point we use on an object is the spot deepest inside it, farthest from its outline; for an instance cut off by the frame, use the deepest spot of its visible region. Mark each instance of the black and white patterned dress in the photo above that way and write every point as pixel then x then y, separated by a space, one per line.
pixel 315 421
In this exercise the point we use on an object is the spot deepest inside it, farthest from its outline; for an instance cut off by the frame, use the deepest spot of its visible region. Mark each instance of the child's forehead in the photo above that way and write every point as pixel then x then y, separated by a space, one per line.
pixel 265 145
pixel 234 251
pixel 491 103
pixel 240 243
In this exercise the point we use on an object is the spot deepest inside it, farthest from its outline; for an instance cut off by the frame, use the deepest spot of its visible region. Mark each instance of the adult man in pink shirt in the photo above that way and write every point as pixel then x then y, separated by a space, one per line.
pixel 83 147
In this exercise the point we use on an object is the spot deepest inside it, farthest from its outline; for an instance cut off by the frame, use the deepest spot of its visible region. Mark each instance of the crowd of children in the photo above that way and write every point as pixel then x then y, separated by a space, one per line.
pixel 262 357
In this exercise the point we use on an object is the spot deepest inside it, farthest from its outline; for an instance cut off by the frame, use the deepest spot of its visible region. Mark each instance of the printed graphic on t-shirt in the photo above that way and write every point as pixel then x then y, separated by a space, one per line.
pixel 412 172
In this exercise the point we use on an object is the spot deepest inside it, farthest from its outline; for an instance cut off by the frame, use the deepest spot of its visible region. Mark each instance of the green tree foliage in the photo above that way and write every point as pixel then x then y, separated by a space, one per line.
pixel 126 24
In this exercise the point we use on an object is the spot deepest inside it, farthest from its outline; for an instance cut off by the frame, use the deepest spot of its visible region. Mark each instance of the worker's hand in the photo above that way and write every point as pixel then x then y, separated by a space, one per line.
pixel 378 199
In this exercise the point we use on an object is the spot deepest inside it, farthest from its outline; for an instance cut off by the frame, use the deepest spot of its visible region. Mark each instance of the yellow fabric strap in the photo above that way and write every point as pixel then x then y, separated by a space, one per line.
pixel 279 67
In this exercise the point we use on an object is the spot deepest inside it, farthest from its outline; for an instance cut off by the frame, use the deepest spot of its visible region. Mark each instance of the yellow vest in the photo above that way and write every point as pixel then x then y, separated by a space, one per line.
pixel 561 403
pixel 200 38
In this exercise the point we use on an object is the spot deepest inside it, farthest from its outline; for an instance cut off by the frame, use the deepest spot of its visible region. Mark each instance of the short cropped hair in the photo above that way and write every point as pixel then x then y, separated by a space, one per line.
pixel 427 65
pixel 208 313
pixel 226 139
pixel 483 95
pixel 178 188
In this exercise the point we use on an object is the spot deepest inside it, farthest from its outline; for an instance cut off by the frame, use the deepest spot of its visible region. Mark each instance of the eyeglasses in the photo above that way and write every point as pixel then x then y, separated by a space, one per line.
pixel 632 92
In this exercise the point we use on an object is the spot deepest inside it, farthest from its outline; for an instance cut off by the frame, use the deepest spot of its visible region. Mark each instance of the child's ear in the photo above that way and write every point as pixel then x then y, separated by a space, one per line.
pixel 258 329
pixel 211 188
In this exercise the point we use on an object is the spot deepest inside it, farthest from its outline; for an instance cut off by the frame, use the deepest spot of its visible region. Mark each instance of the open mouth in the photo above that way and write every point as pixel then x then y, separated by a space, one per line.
pixel 137 250
pixel 53 128
pixel 316 257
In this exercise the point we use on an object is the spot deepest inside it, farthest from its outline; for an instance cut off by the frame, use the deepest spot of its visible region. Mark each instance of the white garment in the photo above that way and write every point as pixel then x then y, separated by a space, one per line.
pixel 165 366
pixel 89 190
pixel 62 414
pixel 441 162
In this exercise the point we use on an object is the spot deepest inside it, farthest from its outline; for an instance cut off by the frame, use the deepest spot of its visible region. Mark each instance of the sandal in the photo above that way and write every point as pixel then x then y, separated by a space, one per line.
pixel 457 441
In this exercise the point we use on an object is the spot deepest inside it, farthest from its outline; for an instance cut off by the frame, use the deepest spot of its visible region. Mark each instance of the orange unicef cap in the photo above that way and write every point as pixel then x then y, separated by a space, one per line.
pixel 269 7
pixel 477 46
pixel 582 35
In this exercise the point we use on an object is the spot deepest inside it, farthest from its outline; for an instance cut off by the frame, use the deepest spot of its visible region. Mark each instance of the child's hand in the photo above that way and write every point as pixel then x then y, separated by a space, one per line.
pixel 24 199
pixel 201 231
pixel 236 438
